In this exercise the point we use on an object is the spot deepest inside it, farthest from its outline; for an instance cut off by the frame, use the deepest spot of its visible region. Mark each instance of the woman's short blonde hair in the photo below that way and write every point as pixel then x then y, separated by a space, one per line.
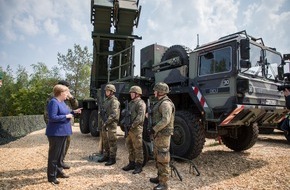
pixel 58 89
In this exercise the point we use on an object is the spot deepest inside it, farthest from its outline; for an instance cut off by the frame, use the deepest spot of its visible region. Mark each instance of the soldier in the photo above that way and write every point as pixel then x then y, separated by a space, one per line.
pixel 72 104
pixel 137 108
pixel 111 106
pixel 163 120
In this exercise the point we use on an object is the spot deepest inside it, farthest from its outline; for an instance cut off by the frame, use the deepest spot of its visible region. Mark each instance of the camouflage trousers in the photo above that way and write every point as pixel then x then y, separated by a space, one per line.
pixel 68 139
pixel 162 156
pixel 109 138
pixel 134 145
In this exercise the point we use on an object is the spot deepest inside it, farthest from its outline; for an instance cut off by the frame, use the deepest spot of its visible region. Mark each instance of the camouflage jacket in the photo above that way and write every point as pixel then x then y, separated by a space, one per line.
pixel 112 108
pixel 163 116
pixel 138 109
pixel 72 104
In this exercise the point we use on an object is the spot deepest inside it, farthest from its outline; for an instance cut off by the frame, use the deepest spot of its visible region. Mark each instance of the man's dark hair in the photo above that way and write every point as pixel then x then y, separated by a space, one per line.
pixel 63 82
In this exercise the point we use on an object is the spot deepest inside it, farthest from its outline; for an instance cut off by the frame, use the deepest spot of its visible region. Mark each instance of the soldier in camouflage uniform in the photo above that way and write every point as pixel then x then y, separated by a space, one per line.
pixel 163 121
pixel 137 108
pixel 109 127
pixel 72 104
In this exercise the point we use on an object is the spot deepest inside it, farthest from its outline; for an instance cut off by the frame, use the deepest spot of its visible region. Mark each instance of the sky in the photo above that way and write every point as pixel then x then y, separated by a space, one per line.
pixel 33 31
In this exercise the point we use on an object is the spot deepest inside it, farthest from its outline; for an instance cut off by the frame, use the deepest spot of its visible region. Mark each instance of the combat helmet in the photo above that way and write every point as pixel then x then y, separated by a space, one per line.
pixel 136 89
pixel 110 87
pixel 161 87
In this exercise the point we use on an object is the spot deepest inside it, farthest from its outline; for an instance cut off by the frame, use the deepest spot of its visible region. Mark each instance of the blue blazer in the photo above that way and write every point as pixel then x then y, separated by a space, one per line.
pixel 58 124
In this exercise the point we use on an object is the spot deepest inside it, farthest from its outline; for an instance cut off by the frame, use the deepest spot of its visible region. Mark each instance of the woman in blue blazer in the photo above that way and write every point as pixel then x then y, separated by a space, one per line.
pixel 57 130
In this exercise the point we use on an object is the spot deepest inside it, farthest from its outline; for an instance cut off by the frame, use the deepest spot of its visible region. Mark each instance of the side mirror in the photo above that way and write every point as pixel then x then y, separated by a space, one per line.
pixel 245 48
pixel 245 64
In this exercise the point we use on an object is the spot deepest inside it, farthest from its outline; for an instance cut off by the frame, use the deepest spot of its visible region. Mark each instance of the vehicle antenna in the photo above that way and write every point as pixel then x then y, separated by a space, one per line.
pixel 197 40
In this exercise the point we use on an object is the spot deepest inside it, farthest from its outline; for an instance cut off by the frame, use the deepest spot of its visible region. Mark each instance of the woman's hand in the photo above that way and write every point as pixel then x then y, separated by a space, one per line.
pixel 79 110
pixel 69 116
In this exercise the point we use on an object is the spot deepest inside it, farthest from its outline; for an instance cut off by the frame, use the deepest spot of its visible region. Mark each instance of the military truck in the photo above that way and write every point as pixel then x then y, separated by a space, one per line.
pixel 226 88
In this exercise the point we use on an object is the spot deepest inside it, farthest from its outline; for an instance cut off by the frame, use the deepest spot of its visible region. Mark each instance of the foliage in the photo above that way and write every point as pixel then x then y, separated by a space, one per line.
pixel 25 94
pixel 6 90
pixel 76 64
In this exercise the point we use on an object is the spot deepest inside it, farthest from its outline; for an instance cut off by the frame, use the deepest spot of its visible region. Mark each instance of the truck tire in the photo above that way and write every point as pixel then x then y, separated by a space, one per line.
pixel 246 138
pixel 188 137
pixel 177 50
pixel 93 124
pixel 84 121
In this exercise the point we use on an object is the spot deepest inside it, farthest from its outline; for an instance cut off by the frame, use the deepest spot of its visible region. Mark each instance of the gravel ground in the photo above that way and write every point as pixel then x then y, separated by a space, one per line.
pixel 264 166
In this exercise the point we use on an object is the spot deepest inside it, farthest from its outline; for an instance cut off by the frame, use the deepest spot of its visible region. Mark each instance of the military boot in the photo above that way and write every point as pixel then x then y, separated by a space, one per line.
pixel 138 168
pixel 161 187
pixel 154 180
pixel 110 162
pixel 103 159
pixel 130 166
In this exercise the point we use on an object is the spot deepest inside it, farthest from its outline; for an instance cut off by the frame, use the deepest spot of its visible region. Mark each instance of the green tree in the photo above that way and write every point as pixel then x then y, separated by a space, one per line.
pixel 21 85
pixel 27 95
pixel 22 78
pixel 41 85
pixel 76 64
pixel 6 90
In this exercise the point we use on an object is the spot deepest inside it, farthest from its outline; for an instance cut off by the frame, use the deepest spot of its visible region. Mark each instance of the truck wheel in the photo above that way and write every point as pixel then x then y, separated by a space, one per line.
pixel 246 138
pixel 188 137
pixel 84 121
pixel 93 124
pixel 177 51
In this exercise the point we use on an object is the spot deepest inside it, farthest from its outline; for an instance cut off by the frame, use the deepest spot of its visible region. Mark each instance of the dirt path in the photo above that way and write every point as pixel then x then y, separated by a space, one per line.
pixel 265 166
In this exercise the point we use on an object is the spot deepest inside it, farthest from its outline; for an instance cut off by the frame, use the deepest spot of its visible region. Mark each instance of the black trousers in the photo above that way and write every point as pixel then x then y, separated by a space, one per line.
pixel 55 152
pixel 64 152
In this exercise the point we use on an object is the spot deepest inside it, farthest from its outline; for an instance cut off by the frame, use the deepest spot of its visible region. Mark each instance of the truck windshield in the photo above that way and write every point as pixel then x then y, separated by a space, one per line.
pixel 256 55
pixel 273 60
pixel 260 57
